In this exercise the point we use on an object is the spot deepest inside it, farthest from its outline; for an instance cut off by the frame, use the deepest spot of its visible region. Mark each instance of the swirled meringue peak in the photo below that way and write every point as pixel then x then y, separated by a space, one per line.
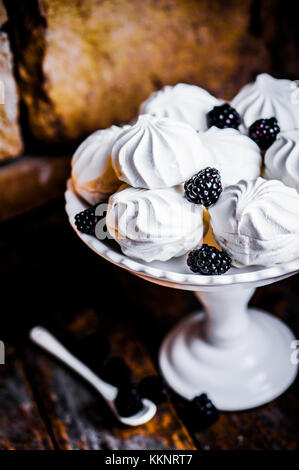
pixel 257 222
pixel 155 224
pixel 182 102
pixel 282 159
pixel 268 97
pixel 157 153
pixel 93 176
pixel 235 155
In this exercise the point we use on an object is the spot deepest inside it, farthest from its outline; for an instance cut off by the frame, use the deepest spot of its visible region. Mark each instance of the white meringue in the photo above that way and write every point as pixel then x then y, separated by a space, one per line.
pixel 268 97
pixel 182 102
pixel 257 222
pixel 93 176
pixel 154 224
pixel 282 159
pixel 235 155
pixel 158 153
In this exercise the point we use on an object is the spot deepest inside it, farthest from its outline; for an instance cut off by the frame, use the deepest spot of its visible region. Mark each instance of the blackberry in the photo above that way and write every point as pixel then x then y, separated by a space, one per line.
pixel 207 260
pixel 128 401
pixel 154 388
pixel 223 116
pixel 86 221
pixel 264 132
pixel 116 372
pixel 204 187
pixel 204 411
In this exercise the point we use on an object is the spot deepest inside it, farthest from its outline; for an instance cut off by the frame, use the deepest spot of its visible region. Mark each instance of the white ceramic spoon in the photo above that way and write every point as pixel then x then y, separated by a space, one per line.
pixel 47 341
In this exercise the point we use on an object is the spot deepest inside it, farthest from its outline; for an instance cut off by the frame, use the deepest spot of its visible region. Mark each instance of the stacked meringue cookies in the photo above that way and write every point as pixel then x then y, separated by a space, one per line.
pixel 192 163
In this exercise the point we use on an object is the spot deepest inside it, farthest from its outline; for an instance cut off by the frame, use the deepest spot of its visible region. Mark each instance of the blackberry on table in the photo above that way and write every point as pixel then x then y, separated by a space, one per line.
pixel 264 132
pixel 223 116
pixel 86 221
pixel 154 388
pixel 204 411
pixel 208 261
pixel 204 187
pixel 128 401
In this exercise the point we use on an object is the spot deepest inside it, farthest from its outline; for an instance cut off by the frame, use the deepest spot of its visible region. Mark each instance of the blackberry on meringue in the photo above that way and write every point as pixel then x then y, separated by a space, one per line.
pixel 86 221
pixel 264 132
pixel 208 261
pixel 204 187
pixel 223 116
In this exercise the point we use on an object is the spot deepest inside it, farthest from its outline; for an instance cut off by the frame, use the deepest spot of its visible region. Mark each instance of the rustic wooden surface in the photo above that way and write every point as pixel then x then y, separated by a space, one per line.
pixel 21 426
pixel 30 182
pixel 49 277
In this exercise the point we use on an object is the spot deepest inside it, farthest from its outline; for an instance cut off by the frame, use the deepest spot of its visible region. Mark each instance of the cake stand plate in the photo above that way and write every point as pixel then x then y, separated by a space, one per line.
pixel 240 357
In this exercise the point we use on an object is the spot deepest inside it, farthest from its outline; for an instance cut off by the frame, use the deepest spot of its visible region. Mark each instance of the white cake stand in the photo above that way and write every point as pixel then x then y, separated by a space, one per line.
pixel 241 357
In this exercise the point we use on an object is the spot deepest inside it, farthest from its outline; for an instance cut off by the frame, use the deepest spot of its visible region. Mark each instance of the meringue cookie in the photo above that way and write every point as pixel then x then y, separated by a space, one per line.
pixel 235 155
pixel 182 102
pixel 157 153
pixel 282 159
pixel 257 222
pixel 154 224
pixel 93 176
pixel 268 97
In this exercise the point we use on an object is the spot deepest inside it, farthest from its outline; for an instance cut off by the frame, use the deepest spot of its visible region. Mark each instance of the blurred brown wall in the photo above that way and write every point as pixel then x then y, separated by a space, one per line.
pixel 10 135
pixel 86 64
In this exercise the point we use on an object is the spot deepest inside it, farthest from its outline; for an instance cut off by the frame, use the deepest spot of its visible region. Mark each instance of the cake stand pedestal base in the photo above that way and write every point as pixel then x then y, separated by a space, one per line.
pixel 240 357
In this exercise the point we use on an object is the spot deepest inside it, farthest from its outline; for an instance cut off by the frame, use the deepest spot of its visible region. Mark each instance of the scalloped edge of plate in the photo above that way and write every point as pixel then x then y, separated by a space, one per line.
pixel 74 205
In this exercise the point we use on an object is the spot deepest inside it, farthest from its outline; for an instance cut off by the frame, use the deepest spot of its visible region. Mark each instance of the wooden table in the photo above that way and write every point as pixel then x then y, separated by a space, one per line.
pixel 49 277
